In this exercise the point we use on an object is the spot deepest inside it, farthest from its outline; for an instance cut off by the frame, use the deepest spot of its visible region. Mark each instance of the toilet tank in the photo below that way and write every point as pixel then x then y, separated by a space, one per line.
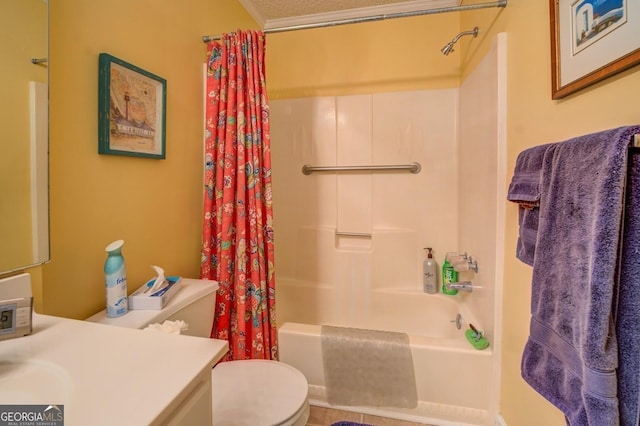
pixel 194 304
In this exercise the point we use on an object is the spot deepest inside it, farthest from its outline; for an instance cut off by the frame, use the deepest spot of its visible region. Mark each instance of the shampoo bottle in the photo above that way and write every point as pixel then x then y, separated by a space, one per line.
pixel 429 273
pixel 115 280
pixel 449 275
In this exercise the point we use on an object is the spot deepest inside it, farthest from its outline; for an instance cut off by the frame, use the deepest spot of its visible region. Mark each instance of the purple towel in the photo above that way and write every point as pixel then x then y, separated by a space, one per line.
pixel 628 310
pixel 524 189
pixel 525 183
pixel 571 356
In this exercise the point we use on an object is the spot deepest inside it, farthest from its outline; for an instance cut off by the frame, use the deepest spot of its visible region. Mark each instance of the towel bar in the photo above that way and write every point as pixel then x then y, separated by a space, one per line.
pixel 307 169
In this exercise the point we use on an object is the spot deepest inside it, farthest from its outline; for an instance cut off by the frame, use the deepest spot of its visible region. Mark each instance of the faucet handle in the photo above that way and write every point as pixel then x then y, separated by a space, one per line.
pixel 466 265
pixel 457 257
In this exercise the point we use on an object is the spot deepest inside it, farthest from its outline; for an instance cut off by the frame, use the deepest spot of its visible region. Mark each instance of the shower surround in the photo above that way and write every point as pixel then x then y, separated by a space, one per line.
pixel 350 245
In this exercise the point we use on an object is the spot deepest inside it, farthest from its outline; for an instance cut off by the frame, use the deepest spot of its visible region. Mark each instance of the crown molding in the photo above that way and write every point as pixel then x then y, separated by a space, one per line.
pixel 253 11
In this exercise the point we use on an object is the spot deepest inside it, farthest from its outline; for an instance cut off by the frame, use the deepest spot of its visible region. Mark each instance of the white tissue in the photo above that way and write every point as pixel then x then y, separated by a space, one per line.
pixel 169 327
pixel 159 279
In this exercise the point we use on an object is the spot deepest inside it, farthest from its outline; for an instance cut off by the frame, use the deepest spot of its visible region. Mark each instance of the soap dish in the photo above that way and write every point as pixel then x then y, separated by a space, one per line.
pixel 142 298
pixel 475 337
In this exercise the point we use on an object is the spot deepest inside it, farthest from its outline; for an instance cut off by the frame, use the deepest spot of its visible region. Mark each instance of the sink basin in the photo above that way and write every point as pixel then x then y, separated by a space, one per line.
pixel 33 382
pixel 89 368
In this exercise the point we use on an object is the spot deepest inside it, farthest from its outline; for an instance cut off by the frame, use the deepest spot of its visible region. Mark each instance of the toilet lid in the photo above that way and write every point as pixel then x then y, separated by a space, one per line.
pixel 257 392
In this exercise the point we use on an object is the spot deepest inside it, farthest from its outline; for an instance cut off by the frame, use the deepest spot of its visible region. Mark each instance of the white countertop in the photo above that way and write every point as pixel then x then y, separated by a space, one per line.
pixel 103 375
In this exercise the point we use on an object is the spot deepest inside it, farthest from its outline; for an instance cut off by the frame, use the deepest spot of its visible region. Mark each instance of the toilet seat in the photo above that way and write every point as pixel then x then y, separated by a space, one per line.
pixel 258 393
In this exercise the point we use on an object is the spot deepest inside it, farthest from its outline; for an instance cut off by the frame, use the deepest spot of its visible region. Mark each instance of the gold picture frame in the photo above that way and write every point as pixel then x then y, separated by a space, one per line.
pixel 591 40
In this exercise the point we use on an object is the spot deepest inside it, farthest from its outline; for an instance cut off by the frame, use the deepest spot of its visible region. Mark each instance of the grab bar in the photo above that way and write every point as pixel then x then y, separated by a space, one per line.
pixel 353 234
pixel 307 169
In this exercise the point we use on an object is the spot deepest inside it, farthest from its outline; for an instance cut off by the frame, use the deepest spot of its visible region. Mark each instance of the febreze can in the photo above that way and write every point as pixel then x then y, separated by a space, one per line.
pixel 115 273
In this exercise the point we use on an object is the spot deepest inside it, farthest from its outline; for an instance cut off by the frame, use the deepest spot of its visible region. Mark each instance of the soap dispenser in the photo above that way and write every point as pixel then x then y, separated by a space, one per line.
pixel 430 273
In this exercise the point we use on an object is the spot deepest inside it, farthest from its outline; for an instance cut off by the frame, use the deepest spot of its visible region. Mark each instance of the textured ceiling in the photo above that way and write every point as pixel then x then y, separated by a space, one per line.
pixel 267 12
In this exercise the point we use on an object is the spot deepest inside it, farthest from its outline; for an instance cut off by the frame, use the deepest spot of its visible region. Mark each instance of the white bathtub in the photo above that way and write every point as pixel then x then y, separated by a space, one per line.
pixel 453 379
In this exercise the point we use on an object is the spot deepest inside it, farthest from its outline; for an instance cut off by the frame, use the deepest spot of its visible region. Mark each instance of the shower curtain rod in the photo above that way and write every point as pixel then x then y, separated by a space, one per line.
pixel 499 3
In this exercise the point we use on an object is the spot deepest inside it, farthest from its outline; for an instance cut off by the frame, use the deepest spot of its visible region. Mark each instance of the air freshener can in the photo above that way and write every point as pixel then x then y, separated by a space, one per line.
pixel 115 273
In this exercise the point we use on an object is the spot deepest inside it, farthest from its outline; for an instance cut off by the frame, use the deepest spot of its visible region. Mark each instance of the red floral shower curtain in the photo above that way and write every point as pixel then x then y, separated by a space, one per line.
pixel 237 234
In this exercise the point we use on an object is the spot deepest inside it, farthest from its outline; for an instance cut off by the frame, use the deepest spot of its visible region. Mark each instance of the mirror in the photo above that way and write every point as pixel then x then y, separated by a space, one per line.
pixel 24 165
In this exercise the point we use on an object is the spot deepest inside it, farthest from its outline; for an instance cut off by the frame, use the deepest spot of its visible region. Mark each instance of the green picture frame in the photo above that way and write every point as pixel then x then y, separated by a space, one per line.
pixel 131 110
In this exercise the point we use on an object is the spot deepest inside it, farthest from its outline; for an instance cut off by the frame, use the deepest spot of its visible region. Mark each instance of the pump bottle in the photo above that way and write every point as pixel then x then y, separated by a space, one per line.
pixel 430 273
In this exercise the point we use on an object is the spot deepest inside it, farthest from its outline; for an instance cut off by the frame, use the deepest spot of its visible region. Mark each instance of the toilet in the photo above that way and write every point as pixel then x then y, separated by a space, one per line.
pixel 244 393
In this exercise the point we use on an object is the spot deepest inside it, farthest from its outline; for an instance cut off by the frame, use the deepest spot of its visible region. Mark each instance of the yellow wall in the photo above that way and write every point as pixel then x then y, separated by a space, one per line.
pixel 96 199
pixel 154 205
pixel 396 54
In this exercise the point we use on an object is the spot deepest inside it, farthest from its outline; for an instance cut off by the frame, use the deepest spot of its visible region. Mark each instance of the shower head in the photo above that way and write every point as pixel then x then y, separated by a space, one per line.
pixel 448 48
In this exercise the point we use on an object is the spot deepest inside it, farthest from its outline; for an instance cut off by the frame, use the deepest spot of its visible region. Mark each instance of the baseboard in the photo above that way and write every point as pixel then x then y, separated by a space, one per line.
pixel 500 421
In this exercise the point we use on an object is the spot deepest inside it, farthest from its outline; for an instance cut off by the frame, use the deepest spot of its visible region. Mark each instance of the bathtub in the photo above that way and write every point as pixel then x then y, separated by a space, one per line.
pixel 453 380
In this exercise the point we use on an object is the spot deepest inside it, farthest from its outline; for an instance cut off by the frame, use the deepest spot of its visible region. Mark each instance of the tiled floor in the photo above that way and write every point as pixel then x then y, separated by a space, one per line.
pixel 326 416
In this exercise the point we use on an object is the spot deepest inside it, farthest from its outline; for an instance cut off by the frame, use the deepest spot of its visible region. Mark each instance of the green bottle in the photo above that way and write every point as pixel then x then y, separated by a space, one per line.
pixel 449 275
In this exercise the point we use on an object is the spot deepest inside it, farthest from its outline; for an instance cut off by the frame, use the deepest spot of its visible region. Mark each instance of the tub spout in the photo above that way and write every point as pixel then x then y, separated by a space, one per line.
pixel 461 286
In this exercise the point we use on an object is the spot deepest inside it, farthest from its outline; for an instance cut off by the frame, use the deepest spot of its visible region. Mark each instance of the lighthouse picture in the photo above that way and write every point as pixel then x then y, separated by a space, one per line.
pixel 132 110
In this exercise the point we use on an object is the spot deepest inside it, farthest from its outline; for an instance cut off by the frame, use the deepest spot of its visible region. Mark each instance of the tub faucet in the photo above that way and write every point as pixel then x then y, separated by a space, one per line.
pixel 462 286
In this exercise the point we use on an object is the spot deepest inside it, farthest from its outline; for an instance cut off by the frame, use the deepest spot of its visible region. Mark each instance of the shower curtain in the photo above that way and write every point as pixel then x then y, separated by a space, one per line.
pixel 237 240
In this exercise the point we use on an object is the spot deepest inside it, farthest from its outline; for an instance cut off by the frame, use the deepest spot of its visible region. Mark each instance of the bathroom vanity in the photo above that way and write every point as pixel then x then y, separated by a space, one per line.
pixel 106 375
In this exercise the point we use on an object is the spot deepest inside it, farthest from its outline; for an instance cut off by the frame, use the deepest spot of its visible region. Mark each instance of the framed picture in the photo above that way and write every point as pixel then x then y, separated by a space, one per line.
pixel 131 110
pixel 591 40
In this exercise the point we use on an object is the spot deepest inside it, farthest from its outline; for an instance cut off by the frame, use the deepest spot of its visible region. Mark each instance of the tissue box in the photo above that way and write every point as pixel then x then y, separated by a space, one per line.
pixel 156 300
